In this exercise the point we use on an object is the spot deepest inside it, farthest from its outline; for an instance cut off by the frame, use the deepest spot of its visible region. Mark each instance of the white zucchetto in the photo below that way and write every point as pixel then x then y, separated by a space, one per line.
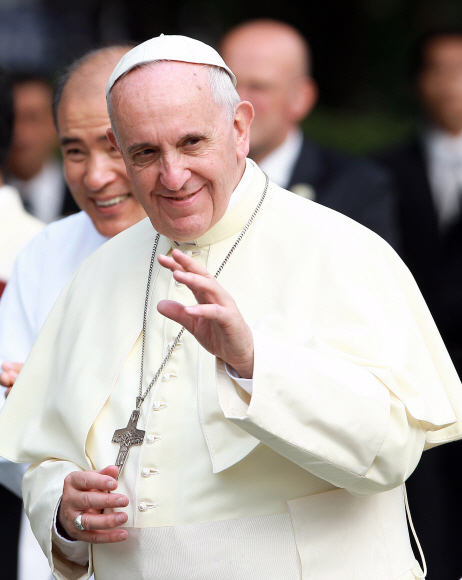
pixel 170 47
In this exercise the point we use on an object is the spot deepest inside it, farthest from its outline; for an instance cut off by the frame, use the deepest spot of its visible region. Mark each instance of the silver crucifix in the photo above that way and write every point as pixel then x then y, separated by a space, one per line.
pixel 127 437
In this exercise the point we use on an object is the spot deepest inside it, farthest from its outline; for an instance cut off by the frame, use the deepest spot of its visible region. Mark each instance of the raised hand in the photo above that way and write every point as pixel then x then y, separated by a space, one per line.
pixel 87 493
pixel 8 374
pixel 215 320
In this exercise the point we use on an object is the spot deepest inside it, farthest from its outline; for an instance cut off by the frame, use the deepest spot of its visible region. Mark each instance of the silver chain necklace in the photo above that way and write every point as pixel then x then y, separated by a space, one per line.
pixel 130 435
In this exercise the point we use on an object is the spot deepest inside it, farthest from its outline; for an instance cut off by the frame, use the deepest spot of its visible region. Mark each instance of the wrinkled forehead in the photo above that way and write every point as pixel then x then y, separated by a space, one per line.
pixel 162 82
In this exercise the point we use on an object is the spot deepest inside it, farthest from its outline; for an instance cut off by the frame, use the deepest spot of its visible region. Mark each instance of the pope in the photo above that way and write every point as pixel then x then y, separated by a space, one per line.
pixel 262 370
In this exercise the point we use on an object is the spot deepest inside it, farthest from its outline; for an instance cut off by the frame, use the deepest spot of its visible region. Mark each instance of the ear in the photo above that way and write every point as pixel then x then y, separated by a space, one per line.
pixel 112 140
pixel 304 95
pixel 242 120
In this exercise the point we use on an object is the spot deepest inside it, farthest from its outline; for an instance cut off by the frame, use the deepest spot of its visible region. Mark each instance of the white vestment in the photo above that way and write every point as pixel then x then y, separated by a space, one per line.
pixel 17 227
pixel 300 480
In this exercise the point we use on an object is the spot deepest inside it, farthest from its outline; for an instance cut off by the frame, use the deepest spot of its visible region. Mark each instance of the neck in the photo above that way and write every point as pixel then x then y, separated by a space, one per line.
pixel 261 152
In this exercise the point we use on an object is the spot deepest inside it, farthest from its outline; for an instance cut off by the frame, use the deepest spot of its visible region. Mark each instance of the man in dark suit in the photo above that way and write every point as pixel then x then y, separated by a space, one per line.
pixel 272 62
pixel 33 165
pixel 427 173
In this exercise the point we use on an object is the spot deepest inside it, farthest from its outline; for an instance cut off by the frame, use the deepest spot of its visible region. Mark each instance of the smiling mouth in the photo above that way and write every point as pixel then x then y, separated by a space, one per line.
pixel 182 198
pixel 113 201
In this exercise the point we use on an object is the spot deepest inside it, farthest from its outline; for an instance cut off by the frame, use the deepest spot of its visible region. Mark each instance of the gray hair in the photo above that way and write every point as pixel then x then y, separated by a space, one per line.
pixel 221 86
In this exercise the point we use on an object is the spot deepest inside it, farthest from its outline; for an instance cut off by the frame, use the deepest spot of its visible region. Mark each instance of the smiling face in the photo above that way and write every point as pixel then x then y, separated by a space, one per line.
pixel 94 170
pixel 183 156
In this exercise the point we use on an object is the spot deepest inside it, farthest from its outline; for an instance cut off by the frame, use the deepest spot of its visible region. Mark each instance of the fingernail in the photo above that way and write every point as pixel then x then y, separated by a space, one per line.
pixel 123 536
pixel 120 519
pixel 111 484
pixel 121 501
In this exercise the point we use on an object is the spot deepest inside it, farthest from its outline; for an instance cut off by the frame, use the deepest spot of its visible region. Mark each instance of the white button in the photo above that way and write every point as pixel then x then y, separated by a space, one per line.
pixel 150 439
pixel 142 506
pixel 188 253
pixel 179 284
pixel 156 405
pixel 166 377
pixel 145 472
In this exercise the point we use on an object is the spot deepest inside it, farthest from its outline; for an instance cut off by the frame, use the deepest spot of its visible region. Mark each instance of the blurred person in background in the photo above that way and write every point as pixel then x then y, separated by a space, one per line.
pixel 96 175
pixel 33 167
pixel 428 175
pixel 272 63
pixel 17 227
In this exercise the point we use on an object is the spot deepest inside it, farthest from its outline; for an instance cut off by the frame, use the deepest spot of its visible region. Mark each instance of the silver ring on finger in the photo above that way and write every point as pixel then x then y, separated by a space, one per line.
pixel 78 522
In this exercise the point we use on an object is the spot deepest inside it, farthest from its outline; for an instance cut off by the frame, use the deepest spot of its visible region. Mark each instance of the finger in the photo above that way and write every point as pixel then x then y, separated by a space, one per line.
pixel 96 500
pixel 111 470
pixel 204 289
pixel 12 366
pixel 181 262
pixel 176 312
pixel 7 379
pixel 210 312
pixel 103 521
pixel 8 391
pixel 86 480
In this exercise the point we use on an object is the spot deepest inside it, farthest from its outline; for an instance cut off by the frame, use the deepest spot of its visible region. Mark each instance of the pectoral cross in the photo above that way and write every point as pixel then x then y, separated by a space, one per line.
pixel 127 437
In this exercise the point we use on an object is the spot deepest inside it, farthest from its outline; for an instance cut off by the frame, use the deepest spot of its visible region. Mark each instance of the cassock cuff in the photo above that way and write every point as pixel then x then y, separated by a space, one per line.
pixel 246 384
pixel 74 550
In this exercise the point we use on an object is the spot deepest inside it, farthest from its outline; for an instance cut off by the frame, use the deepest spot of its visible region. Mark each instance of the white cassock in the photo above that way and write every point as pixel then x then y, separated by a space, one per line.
pixel 40 272
pixel 301 480
pixel 17 227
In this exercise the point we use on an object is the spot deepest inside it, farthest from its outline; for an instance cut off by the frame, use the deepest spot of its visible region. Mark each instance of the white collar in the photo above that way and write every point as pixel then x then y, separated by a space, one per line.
pixel 243 184
pixel 279 164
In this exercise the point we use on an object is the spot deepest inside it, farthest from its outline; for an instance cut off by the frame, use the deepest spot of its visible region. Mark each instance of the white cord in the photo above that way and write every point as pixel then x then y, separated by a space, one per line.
pixel 408 512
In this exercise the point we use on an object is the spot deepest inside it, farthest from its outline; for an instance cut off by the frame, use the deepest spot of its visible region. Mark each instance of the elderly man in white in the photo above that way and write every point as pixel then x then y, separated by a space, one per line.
pixel 270 437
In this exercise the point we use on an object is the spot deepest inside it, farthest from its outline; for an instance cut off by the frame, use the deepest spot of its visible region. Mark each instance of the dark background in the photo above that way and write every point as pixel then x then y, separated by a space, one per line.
pixel 360 47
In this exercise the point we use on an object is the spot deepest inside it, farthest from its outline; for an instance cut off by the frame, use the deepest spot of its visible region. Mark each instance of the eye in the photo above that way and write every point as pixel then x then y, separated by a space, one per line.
pixel 74 153
pixel 192 141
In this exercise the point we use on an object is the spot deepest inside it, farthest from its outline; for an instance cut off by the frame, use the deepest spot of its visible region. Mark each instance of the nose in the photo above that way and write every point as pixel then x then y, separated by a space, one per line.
pixel 173 173
pixel 99 173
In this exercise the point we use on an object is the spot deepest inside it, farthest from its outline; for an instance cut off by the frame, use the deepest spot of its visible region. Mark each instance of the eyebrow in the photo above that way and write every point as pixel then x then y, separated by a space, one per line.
pixel 146 145
pixel 71 140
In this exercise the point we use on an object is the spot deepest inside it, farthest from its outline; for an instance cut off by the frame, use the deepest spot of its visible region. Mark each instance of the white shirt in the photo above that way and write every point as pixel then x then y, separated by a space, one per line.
pixel 40 273
pixel 44 192
pixel 17 227
pixel 280 163
pixel 444 153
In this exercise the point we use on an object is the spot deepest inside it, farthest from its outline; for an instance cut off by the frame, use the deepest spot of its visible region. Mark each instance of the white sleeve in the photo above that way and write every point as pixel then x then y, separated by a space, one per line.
pixel 42 490
pixel 18 307
pixel 335 419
